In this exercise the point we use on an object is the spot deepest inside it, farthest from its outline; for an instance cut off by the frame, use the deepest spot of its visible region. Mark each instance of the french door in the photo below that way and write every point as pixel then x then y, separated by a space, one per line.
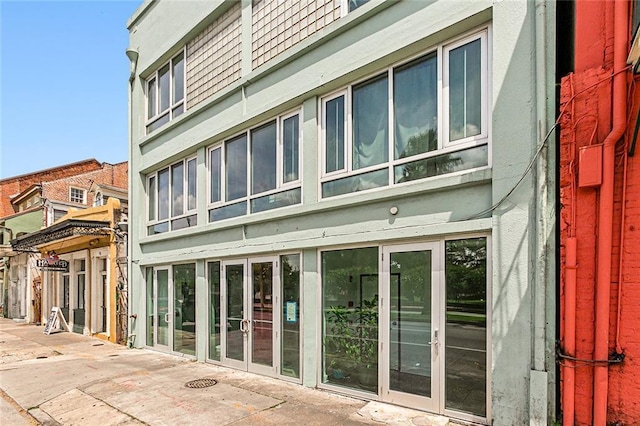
pixel 250 309
pixel 411 326
pixel 173 299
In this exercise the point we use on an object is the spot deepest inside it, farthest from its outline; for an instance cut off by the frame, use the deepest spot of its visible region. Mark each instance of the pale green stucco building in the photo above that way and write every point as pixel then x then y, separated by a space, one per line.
pixel 356 196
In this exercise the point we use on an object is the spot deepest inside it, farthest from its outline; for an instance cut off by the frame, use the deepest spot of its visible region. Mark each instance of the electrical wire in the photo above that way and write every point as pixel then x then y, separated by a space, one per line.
pixel 541 146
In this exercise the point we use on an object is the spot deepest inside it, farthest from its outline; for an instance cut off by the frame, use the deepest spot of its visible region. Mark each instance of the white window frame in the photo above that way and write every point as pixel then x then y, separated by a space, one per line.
pixel 74 199
pixel 173 105
pixel 281 186
pixel 185 202
pixel 346 93
pixel 444 145
pixel 484 109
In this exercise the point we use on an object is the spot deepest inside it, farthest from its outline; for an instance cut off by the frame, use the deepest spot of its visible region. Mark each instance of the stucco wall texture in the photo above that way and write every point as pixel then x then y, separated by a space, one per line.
pixel 586 101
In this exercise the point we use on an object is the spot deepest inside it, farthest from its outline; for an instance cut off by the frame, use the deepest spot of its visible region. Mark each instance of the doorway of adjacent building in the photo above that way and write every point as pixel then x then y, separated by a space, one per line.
pixel 255 314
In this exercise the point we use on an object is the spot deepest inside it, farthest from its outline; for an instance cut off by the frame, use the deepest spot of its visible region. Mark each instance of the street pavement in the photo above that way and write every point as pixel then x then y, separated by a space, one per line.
pixel 69 379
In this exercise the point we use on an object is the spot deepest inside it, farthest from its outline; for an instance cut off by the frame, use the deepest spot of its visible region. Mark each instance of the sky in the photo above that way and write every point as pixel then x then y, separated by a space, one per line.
pixel 63 83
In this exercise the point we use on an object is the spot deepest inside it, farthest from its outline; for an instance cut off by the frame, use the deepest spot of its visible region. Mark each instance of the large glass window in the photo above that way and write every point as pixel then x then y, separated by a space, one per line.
pixel 466 325
pixel 290 327
pixel 172 200
pixel 350 318
pixel 165 93
pixel 370 120
pixel 430 129
pixel 256 171
pixel 465 91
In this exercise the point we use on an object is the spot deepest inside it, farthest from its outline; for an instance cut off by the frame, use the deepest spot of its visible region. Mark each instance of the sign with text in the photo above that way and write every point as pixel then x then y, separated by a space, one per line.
pixel 56 321
pixel 52 263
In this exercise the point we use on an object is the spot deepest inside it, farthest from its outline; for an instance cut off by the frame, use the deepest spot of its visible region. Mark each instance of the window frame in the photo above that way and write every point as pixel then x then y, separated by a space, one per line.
pixel 445 146
pixel 484 88
pixel 281 186
pixel 74 199
pixel 186 212
pixel 176 107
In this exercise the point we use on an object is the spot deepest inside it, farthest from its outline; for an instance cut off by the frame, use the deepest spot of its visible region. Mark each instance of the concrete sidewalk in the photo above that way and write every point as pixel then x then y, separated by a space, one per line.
pixel 70 379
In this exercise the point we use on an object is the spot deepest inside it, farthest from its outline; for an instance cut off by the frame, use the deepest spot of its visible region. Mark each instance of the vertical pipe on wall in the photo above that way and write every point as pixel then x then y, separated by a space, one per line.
pixel 605 216
pixel 569 373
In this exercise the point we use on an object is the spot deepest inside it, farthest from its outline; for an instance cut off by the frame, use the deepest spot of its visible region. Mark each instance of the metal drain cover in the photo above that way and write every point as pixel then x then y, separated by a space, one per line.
pixel 200 383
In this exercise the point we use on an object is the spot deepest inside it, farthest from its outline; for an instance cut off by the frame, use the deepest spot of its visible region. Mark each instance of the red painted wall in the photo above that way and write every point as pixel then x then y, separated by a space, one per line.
pixel 586 101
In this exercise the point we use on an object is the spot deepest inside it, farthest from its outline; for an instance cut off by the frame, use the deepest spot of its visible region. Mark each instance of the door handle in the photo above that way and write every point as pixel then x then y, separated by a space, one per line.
pixel 166 317
pixel 244 326
pixel 435 339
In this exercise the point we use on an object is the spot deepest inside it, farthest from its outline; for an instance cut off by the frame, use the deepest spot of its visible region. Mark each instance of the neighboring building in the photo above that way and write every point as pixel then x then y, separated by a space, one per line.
pixel 12 186
pixel 51 194
pixel 81 264
pixel 354 196
pixel 599 349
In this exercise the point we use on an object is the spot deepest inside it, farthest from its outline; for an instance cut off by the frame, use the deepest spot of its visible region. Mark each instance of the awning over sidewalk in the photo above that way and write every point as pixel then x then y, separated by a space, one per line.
pixel 81 231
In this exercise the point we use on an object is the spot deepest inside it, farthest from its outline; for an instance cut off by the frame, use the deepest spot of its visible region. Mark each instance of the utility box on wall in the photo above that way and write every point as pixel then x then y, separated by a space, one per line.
pixel 590 166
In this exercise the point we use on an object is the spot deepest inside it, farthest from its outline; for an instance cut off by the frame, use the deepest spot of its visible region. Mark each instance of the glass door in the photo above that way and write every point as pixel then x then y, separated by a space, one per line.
pixel 248 303
pixel 410 326
pixel 163 309
pixel 235 325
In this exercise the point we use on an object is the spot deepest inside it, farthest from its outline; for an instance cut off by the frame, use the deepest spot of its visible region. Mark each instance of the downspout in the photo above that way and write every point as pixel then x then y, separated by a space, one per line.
pixel 540 398
pixel 132 54
pixel 605 216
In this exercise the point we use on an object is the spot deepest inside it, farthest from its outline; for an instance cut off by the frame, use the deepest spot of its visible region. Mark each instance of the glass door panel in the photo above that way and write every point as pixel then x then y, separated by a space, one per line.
pixel 162 309
pixel 184 302
pixel 235 309
pixel 410 323
pixel 262 313
pixel 411 361
pixel 215 344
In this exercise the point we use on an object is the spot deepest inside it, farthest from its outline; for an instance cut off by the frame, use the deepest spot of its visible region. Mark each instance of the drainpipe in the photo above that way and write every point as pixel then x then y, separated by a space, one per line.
pixel 539 398
pixel 132 54
pixel 569 377
pixel 605 216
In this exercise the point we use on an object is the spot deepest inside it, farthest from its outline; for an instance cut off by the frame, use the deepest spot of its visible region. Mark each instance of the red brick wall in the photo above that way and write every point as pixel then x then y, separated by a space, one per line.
pixel 587 120
pixel 110 174
pixel 14 185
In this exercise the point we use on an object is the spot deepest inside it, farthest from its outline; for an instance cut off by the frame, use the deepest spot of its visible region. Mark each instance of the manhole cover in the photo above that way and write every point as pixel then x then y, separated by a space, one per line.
pixel 200 383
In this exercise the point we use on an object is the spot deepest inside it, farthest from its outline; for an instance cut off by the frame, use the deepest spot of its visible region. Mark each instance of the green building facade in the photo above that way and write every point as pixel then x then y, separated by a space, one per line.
pixel 354 196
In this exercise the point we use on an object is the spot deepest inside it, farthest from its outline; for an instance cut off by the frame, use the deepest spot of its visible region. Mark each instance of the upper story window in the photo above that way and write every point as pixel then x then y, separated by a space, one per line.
pixel 354 4
pixel 416 120
pixel 165 93
pixel 172 202
pixel 98 200
pixel 77 195
pixel 256 171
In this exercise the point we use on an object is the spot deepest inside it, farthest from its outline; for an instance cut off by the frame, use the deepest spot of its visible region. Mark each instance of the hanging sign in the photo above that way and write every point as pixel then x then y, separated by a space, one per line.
pixel 52 263
pixel 56 321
